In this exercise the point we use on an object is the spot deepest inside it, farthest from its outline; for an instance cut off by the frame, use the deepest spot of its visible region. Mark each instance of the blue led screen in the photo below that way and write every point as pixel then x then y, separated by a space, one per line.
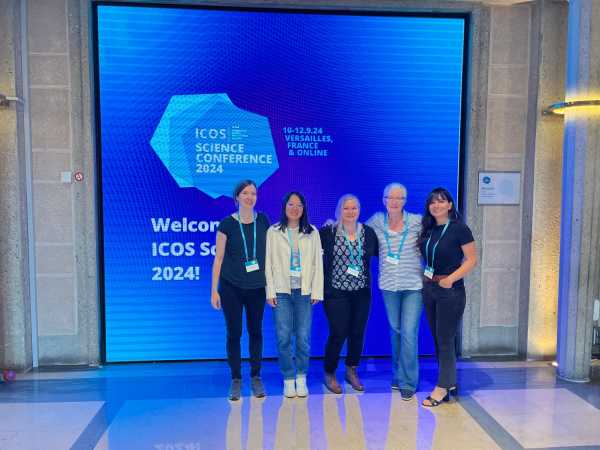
pixel 191 100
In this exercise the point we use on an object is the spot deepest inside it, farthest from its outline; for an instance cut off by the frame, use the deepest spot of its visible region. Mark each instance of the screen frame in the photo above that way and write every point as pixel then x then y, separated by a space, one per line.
pixel 325 9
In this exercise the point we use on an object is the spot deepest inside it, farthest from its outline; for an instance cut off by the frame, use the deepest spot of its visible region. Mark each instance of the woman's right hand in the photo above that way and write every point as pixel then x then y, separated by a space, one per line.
pixel 215 300
pixel 272 302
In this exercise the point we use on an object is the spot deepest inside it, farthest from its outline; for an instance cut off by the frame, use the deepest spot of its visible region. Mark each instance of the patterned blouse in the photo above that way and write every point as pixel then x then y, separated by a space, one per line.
pixel 341 260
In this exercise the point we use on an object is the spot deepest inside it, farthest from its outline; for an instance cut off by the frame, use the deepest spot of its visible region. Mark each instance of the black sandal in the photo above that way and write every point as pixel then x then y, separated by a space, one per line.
pixel 433 402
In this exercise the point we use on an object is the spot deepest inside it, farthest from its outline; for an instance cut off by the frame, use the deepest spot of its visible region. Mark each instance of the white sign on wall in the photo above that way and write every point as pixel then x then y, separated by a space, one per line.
pixel 499 188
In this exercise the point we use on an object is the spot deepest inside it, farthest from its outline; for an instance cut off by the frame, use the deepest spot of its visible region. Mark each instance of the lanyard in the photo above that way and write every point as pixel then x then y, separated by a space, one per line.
pixel 244 238
pixel 293 259
pixel 434 247
pixel 387 235
pixel 354 258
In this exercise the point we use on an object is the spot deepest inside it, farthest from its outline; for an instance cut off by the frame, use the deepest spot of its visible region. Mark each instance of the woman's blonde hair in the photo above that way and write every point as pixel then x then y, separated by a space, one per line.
pixel 340 204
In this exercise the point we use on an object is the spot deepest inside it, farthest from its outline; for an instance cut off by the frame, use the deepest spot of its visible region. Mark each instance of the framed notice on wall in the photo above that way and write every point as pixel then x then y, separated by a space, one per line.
pixel 499 188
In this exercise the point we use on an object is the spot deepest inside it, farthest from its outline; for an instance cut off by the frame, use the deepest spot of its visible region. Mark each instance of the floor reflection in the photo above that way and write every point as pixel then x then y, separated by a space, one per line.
pixel 403 423
pixel 450 426
pixel 293 425
pixel 343 434
pixel 255 434
pixel 328 422
pixel 168 407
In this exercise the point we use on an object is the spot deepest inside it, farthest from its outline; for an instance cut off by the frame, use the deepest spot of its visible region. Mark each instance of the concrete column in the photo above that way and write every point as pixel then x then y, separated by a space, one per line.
pixel 15 305
pixel 580 216
pixel 544 162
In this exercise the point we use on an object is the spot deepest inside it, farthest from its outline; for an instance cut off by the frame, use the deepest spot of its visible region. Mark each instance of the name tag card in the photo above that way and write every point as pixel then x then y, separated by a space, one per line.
pixel 252 266
pixel 295 272
pixel 392 259
pixel 428 273
pixel 353 270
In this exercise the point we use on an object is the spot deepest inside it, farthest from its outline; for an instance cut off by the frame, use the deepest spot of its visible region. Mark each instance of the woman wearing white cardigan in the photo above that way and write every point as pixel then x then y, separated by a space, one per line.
pixel 294 274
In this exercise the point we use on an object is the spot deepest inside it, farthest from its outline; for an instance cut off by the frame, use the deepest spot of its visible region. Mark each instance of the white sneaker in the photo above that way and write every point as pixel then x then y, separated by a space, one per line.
pixel 301 388
pixel 289 388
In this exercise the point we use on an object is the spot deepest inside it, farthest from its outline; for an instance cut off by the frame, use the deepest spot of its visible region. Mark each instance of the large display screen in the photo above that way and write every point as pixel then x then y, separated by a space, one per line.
pixel 191 100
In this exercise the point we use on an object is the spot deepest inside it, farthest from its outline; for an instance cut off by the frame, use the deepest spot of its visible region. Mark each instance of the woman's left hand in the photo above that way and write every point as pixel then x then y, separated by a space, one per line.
pixel 314 301
pixel 446 283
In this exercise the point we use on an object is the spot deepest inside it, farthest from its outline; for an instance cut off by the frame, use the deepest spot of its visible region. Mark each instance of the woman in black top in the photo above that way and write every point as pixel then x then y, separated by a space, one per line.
pixel 347 250
pixel 449 252
pixel 238 282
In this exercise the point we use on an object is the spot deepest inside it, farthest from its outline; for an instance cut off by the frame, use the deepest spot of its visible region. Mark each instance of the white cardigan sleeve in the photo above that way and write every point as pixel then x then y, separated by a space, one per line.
pixel 269 261
pixel 316 292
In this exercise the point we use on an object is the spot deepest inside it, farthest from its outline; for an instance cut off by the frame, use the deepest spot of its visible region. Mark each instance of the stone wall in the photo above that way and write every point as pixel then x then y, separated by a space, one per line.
pixel 64 210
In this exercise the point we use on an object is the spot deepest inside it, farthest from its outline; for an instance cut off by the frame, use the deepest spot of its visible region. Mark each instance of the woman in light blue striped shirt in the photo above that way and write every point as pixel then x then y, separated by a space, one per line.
pixel 400 281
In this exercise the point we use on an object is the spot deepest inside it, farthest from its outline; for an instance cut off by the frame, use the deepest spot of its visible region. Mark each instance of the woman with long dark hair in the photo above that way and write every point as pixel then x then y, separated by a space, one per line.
pixel 449 252
pixel 294 274
pixel 348 247
pixel 238 283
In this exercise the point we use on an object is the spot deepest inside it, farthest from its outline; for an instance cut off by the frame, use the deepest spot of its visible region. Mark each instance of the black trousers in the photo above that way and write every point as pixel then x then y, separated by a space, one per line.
pixel 347 313
pixel 233 301
pixel 444 309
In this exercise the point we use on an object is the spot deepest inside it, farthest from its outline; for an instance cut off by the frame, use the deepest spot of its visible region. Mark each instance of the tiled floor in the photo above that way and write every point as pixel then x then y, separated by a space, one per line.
pixel 44 425
pixel 172 406
pixel 543 417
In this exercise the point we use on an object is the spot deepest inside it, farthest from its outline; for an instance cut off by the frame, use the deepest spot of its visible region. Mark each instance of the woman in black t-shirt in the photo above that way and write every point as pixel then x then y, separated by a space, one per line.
pixel 449 252
pixel 238 282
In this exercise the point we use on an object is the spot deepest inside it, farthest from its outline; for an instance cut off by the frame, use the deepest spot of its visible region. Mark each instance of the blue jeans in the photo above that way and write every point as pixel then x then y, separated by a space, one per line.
pixel 404 310
pixel 293 317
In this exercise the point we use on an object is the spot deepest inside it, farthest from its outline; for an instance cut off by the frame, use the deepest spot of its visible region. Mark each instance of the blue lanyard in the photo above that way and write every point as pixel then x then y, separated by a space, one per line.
pixel 244 237
pixel 387 235
pixel 290 241
pixel 434 247
pixel 354 258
